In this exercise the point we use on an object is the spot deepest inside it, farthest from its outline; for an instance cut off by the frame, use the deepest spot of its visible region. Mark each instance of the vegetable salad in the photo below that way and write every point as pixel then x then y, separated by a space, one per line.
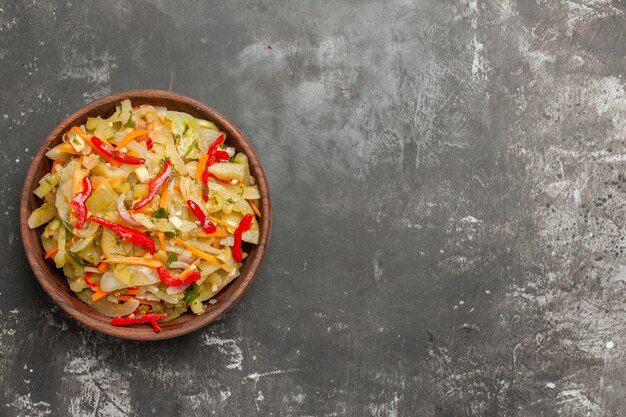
pixel 146 212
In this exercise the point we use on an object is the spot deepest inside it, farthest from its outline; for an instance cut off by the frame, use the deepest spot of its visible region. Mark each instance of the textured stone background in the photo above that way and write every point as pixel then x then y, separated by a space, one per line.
pixel 449 183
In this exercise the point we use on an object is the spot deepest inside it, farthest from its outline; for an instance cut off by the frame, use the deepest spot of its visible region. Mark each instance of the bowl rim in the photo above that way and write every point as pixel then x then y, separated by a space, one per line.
pixel 92 318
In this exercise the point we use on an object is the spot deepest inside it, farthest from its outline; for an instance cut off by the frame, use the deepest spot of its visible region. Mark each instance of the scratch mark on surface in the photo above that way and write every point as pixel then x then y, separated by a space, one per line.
pixel 255 376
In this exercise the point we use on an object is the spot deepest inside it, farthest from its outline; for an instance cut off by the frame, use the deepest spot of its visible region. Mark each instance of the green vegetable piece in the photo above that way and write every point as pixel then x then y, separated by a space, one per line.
pixel 171 258
pixel 42 215
pixel 130 122
pixel 190 294
pixel 75 258
pixel 161 213
pixel 193 145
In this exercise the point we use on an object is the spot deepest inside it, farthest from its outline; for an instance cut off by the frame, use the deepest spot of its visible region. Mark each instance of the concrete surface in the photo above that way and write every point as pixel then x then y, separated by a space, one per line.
pixel 449 183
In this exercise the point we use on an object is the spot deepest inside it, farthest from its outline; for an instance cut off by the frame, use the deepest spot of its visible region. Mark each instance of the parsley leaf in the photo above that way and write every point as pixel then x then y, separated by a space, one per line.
pixel 172 258
pixel 190 294
pixel 130 122
pixel 75 258
pixel 190 148
pixel 161 213
pixel 170 235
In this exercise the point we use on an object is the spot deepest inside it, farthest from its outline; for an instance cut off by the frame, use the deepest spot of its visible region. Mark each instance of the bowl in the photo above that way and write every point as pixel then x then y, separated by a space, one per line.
pixel 55 283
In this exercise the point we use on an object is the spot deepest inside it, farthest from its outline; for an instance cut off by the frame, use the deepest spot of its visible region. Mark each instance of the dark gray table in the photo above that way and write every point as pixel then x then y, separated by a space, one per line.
pixel 448 180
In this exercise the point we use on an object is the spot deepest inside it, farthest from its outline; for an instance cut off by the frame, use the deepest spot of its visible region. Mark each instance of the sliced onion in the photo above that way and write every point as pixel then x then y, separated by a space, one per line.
pixel 144 220
pixel 162 111
pixel 177 290
pixel 168 298
pixel 107 308
pixel 179 265
pixel 227 241
pixel 109 282
pixel 124 214
pixel 136 275
pixel 186 259
pixel 86 231
pixel 175 249
pixel 151 297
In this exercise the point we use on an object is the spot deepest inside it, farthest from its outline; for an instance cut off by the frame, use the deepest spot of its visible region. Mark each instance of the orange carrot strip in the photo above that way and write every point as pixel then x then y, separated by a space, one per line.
pixel 201 165
pixel 99 294
pixel 133 291
pixel 191 268
pixel 79 132
pixel 131 136
pixel 67 148
pixel 71 242
pixel 103 267
pixel 197 252
pixel 161 236
pixel 123 297
pixel 222 222
pixel 150 263
pixel 255 208
pixel 52 252
pixel 164 195
pixel 217 233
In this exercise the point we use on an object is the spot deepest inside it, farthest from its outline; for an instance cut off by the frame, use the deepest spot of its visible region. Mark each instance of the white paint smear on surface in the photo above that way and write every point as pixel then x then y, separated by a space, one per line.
pixel 228 348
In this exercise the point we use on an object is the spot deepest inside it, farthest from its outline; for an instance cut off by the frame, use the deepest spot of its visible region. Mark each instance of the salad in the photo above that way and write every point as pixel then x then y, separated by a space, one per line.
pixel 146 213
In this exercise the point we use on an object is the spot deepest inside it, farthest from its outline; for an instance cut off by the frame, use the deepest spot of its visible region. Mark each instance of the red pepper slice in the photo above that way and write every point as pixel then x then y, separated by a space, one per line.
pixel 126 233
pixel 223 155
pixel 146 318
pixel 244 225
pixel 88 282
pixel 214 155
pixel 155 326
pixel 170 280
pixel 155 184
pixel 109 151
pixel 206 224
pixel 213 149
pixel 205 185
pixel 149 143
pixel 78 202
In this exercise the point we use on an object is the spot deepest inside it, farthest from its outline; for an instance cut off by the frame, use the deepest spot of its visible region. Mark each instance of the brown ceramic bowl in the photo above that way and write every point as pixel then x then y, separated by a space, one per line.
pixel 52 279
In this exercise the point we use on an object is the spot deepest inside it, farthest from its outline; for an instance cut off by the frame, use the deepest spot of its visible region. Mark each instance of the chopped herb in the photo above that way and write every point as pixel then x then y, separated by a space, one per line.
pixel 75 258
pixel 130 122
pixel 190 294
pixel 161 213
pixel 171 258
pixel 193 145
pixel 171 235
pixel 143 309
